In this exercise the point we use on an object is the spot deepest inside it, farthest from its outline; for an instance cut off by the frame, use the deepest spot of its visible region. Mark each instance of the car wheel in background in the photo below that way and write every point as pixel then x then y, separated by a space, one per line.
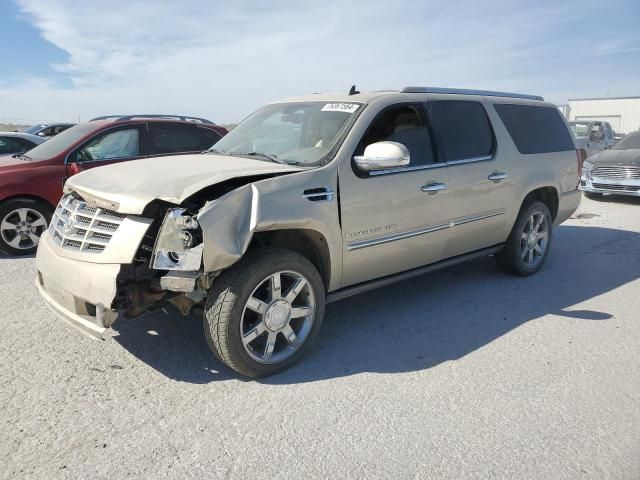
pixel 22 221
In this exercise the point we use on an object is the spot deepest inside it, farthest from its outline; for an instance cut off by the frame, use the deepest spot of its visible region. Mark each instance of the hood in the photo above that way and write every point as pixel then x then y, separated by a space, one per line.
pixel 129 186
pixel 616 157
pixel 8 163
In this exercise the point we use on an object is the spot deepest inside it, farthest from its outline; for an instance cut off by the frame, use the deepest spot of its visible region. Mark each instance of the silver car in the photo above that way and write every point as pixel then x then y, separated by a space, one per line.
pixel 307 201
pixel 614 171
pixel 12 143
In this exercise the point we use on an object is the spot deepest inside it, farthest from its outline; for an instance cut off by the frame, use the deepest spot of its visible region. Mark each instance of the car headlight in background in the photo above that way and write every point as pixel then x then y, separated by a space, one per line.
pixel 586 169
pixel 178 246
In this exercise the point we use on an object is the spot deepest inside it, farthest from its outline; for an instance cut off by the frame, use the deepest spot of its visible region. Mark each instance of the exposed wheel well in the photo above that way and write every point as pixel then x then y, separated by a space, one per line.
pixel 307 243
pixel 546 195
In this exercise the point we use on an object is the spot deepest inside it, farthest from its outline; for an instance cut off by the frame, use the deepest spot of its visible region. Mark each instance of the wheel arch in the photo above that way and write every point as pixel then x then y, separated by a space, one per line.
pixel 27 196
pixel 546 194
pixel 311 244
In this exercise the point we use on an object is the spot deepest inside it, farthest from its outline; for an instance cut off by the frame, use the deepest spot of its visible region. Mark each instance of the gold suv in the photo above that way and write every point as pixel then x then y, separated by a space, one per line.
pixel 307 201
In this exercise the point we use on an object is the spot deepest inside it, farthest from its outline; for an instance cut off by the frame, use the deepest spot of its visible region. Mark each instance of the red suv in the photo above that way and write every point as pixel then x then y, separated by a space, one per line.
pixel 31 183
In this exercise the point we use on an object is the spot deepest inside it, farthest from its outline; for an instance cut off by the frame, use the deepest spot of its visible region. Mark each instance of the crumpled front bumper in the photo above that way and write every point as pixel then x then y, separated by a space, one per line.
pixel 80 293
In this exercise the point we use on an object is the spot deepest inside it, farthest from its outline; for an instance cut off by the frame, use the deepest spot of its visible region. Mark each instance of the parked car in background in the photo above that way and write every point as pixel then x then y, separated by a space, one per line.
pixel 311 200
pixel 593 136
pixel 31 183
pixel 48 130
pixel 616 170
pixel 17 142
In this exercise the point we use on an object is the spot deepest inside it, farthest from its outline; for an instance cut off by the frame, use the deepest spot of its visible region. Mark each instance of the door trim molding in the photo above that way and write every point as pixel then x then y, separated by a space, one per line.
pixel 423 230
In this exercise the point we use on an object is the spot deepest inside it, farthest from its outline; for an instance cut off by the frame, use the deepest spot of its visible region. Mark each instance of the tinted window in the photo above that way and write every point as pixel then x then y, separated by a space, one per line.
pixel 631 141
pixel 171 138
pixel 535 129
pixel 462 129
pixel 404 125
pixel 113 144
pixel 9 145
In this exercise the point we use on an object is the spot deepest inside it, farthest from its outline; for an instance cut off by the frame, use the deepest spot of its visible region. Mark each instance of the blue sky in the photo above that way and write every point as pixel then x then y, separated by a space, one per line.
pixel 65 59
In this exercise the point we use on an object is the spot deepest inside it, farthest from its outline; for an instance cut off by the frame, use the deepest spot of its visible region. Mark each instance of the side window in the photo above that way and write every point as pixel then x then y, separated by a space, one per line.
pixel 405 125
pixel 172 138
pixel 112 144
pixel 535 129
pixel 462 129
pixel 23 145
pixel 8 145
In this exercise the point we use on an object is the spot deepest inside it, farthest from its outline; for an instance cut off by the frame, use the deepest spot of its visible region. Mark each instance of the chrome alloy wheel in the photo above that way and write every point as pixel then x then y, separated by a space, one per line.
pixel 21 228
pixel 277 317
pixel 534 241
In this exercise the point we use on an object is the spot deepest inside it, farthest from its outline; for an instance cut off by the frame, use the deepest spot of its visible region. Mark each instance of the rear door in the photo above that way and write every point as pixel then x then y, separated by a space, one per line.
pixel 114 145
pixel 167 138
pixel 480 190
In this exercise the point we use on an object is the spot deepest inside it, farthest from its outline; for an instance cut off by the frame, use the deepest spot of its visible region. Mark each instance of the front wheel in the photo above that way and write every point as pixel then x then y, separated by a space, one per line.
pixel 264 312
pixel 528 244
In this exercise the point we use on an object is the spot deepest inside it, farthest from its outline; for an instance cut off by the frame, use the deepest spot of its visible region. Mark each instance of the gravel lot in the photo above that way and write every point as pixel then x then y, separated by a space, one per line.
pixel 466 373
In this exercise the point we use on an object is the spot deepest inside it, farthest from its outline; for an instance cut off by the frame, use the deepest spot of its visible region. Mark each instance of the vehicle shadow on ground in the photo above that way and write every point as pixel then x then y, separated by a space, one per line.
pixel 417 324
pixel 625 199
pixel 6 256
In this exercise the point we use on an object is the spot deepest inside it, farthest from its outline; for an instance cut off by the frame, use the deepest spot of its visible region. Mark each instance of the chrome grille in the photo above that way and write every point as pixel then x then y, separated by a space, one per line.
pixel 617 172
pixel 618 188
pixel 80 227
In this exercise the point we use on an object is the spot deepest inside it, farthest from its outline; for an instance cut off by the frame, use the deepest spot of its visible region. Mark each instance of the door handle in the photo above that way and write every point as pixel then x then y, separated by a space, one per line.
pixel 433 188
pixel 496 177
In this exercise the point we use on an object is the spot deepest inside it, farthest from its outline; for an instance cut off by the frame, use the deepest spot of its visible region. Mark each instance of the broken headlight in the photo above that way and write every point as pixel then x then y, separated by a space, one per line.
pixel 178 246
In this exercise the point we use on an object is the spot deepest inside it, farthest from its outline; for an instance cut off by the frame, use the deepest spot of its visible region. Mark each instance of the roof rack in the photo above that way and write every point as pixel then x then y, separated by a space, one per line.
pixel 462 91
pixel 122 118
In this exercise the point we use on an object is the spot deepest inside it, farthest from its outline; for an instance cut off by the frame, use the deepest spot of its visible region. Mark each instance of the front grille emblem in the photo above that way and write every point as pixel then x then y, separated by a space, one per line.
pixel 69 224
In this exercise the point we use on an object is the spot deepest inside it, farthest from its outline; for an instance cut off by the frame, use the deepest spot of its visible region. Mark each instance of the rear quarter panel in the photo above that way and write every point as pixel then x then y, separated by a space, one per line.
pixel 43 181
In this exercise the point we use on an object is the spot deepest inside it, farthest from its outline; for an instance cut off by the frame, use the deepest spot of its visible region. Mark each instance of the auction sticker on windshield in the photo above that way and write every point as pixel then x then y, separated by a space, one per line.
pixel 340 107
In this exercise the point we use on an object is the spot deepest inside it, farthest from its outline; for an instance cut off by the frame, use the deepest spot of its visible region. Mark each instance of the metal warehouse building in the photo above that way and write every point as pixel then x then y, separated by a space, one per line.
pixel 623 113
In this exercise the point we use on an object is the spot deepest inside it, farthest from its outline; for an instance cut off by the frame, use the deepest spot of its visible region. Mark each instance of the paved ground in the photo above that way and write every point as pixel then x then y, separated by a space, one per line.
pixel 466 373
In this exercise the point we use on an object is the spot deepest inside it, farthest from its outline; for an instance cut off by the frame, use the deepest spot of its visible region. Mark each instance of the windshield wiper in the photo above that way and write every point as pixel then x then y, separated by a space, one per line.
pixel 22 155
pixel 273 158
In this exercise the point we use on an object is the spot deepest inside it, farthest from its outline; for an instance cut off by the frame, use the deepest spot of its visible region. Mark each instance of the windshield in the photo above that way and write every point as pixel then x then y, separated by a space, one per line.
pixel 35 129
pixel 580 129
pixel 61 142
pixel 295 133
pixel 629 142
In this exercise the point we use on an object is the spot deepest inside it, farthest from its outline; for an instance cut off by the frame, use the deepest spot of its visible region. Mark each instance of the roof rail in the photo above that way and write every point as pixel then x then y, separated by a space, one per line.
pixel 462 91
pixel 121 118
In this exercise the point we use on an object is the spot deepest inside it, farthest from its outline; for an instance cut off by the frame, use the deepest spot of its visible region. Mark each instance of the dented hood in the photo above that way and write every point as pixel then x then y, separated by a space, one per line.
pixel 129 186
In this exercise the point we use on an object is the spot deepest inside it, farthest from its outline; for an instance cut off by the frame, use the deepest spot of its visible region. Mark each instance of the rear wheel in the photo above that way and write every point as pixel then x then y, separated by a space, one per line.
pixel 22 222
pixel 528 244
pixel 265 312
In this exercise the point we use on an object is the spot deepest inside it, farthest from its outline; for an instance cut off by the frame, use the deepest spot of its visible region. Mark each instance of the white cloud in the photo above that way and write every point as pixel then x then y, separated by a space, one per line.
pixel 223 59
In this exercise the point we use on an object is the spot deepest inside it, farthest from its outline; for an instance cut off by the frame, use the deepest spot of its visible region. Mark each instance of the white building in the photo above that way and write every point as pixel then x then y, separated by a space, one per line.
pixel 623 113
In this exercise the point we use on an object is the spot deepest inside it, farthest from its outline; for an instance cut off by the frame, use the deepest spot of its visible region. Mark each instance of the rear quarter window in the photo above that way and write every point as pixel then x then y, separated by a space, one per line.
pixel 535 129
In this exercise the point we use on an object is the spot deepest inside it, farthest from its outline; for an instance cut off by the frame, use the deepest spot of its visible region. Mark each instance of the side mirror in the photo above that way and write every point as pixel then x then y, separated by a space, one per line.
pixel 383 156
pixel 41 134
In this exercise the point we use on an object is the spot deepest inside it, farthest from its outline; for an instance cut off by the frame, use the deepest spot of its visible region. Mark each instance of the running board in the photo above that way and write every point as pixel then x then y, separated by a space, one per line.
pixel 399 277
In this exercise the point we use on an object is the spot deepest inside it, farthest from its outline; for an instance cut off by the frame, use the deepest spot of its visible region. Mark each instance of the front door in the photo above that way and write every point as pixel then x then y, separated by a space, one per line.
pixel 394 220
pixel 111 146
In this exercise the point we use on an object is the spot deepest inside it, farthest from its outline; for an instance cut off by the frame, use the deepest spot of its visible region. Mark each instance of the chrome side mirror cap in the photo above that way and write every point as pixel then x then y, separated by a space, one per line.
pixel 383 156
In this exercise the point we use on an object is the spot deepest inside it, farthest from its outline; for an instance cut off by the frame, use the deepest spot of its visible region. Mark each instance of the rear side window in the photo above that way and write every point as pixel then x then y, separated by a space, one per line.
pixel 535 129
pixel 462 129
pixel 172 138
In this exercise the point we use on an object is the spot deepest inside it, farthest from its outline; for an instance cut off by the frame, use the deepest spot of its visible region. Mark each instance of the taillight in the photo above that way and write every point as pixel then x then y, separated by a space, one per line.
pixel 581 153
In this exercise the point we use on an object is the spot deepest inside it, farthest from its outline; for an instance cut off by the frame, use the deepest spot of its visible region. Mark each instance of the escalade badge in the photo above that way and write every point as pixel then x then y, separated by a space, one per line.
pixel 69 224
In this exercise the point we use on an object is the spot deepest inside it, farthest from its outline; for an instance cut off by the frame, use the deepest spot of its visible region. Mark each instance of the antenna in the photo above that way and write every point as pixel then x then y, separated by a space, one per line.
pixel 353 90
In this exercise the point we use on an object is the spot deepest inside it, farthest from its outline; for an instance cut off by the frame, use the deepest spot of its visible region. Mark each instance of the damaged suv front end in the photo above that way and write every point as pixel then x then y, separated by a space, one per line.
pixel 126 239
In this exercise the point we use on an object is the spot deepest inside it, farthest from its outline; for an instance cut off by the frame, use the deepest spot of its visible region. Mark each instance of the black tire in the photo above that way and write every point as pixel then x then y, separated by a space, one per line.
pixel 225 306
pixel 8 211
pixel 593 195
pixel 510 259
